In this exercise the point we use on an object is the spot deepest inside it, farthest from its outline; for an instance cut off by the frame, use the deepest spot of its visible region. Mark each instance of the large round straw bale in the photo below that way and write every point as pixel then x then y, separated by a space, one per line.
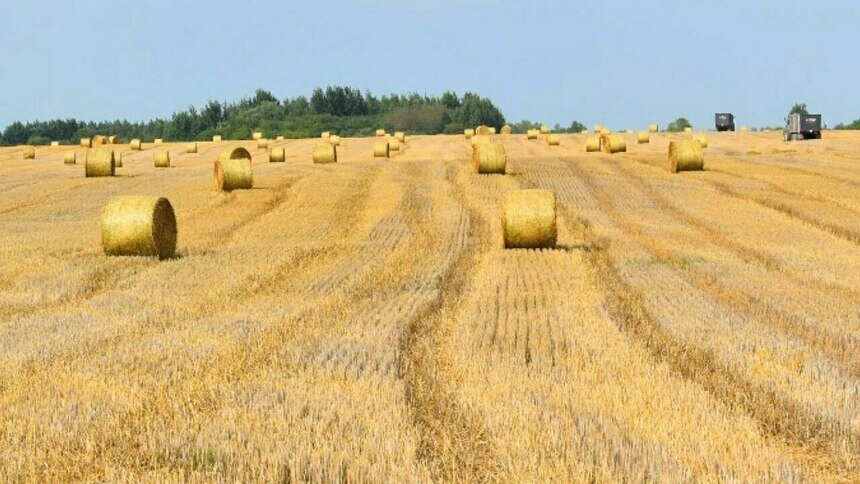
pixel 70 158
pixel 257 135
pixel 492 130
pixel 158 141
pixel 262 144
pixel 489 158
pixel 114 140
pixel 191 147
pixel 381 149
pixel 99 162
pixel 216 138
pixel 598 128
pixel 86 142
pixel 654 128
pixel 544 129
pixel 326 134
pixel 277 155
pixel 701 139
pixel 553 140
pixel 468 133
pixel 161 159
pixel 99 140
pixel 613 143
pixel 233 174
pixel 400 135
pixel 117 159
pixel 483 130
pixel 685 155
pixel 592 144
pixel 688 129
pixel 506 129
pixel 394 144
pixel 135 145
pixel 54 144
pixel 142 226
pixel 334 140
pixel 529 219
pixel 279 138
pixel 643 137
pixel 532 134
pixel 29 152
pixel 380 132
pixel 326 153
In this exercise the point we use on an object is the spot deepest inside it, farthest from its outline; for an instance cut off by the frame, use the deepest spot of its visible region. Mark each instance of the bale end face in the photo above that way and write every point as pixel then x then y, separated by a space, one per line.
pixel 216 138
pixel 99 162
pixel 686 155
pixel 86 143
pixel 592 144
pixel 139 226
pixel 325 153
pixel 28 152
pixel 381 150
pixel 529 219
pixel 158 141
pixel 325 135
pixel 279 138
pixel 277 155
pixel 489 158
pixel 654 128
pixel 54 144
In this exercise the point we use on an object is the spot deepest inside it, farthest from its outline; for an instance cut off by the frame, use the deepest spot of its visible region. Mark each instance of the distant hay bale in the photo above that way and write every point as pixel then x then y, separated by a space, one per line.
pixel 701 139
pixel 161 159
pixel 592 144
pixel 139 226
pixel 605 131
pixel 257 135
pixel 117 159
pixel 553 140
pixel 688 129
pixel 233 174
pixel 482 130
pixel 598 128
pixel 584 131
pixel 544 129
pixel 529 219
pixel 327 134
pixel 685 155
pixel 54 144
pixel 400 135
pixel 70 158
pixel 380 132
pixel 381 150
pixel 492 130
pixel 277 155
pixel 394 144
pixel 135 145
pixel 279 138
pixel 216 138
pixel 99 140
pixel 191 147
pixel 613 143
pixel 325 153
pixel 86 142
pixel 262 144
pixel 489 158
pixel 654 128
pixel 506 129
pixel 744 129
pixel 532 134
pixel 334 140
pixel 114 140
pixel 643 137
pixel 99 162
pixel 629 131
pixel 158 141
pixel 29 152
pixel 468 133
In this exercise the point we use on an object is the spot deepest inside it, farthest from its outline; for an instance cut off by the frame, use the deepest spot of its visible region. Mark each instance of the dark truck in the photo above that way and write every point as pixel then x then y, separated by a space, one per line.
pixel 725 121
pixel 799 127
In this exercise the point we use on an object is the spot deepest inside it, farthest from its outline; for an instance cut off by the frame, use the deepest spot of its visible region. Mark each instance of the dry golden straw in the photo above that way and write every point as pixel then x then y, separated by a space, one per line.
pixel 327 134
pixel 529 219
pixel 279 138
pixel 99 140
pixel 117 159
pixel 114 140
pixel 394 144
pixel 29 152
pixel 592 144
pixel 400 135
pixel 216 138
pixel 629 131
pixel 598 128
pixel 334 140
pixel 483 130
pixel 468 133
pixel 688 129
pixel 135 145
pixel 643 137
pixel 161 159
pixel 158 141
pixel 262 144
pixel 380 150
pixel 86 142
pixel 54 144
pixel 532 134
pixel 70 158
pixel 685 155
pixel 605 131
pixel 544 129
pixel 277 155
pixel 506 129
pixel 489 158
pixel 744 129
pixel 233 170
pixel 257 135
pixel 613 143
pixel 139 226
pixel 325 153
pixel 191 147
pixel 492 130
pixel 380 132
pixel 701 139
pixel 654 128
pixel 99 162
pixel 553 140
pixel 584 131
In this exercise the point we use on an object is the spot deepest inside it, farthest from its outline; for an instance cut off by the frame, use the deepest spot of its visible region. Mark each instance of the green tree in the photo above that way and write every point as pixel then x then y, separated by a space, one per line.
pixel 798 108
pixel 678 125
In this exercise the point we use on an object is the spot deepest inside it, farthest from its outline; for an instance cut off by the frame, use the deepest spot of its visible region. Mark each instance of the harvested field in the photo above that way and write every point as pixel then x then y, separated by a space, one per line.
pixel 361 320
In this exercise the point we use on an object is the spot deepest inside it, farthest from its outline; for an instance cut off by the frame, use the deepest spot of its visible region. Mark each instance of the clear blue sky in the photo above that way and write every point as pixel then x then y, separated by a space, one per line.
pixel 622 63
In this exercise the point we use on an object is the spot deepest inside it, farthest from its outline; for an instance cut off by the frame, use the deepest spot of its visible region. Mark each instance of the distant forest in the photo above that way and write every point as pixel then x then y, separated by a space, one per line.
pixel 341 110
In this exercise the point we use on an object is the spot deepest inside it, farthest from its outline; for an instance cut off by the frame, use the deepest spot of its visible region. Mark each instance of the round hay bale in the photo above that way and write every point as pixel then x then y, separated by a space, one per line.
pixel 468 133
pixel 532 134
pixel 629 131
pixel 257 135
pixel 584 131
pixel 135 145
pixel 381 150
pixel 394 144
pixel 483 130
pixel 492 130
pixel 597 128
pixel 233 174
pixel 688 129
pixel 592 144
pixel 114 140
pixel 325 153
pixel 654 128
pixel 117 159
pixel 544 129
pixel 262 144
pixel 701 139
pixel 70 158
pixel 326 134
pixel 489 158
pixel 277 155
pixel 99 140
pixel 86 143
pixel 744 129
pixel 506 129
pixel 553 140
pixel 161 159
pixel 139 226
pixel 99 162
pixel 380 132
pixel 216 138
pixel 643 137
pixel 529 219
pixel 279 138
pixel 28 152
pixel 158 141
pixel 54 144
pixel 334 140
pixel 605 131
pixel 191 148
pixel 401 136
pixel 613 143
pixel 685 155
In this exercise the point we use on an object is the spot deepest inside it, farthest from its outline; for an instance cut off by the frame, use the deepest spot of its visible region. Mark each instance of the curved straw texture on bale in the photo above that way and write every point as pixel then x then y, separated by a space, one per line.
pixel 117 159
pixel 381 150
pixel 158 141
pixel 529 220
pixel 544 129
pixel 488 158
pixel 257 135
pixel 277 155
pixel 701 139
pixel 394 144
pixel 688 129
pixel 54 144
pixel 553 140
pixel 99 162
pixel 99 140
pixel 592 144
pixel 191 147
pixel 234 154
pixel 279 138
pixel 654 128
pixel 161 159
pixel 643 137
pixel 532 134
pixel 326 134
pixel 29 152
pixel 142 226
pixel 685 155
pixel 506 129
pixel 334 140
pixel 468 133
pixel 86 142
pixel 114 140
pixel 613 143
pixel 380 132
pixel 70 158
pixel 216 138
pixel 262 144
pixel 233 174
pixel 325 153
pixel 135 145
pixel 401 136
